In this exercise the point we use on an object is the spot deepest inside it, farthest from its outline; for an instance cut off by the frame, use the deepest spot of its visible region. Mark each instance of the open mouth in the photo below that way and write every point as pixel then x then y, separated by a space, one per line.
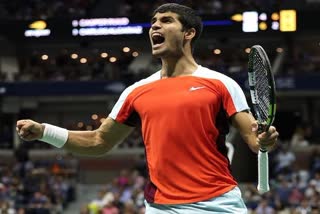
pixel 157 39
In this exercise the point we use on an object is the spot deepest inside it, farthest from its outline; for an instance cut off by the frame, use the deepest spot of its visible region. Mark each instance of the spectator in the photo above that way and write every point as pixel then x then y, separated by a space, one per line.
pixel 295 197
pixel 284 160
pixel 303 208
pixel 110 208
pixel 264 208
pixel 283 191
pixel 40 203
pixel 299 137
pixel 315 162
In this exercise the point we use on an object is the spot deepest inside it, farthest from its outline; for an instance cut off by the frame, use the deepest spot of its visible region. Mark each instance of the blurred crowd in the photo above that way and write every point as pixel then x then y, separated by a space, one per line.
pixel 63 67
pixel 203 7
pixel 35 9
pixel 124 194
pixel 37 186
pixel 295 183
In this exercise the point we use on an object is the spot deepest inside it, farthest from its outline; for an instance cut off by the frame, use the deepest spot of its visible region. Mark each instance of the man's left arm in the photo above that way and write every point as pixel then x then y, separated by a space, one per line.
pixel 248 127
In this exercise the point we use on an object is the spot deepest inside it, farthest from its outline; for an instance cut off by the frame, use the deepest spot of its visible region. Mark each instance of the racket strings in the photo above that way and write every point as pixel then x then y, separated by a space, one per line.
pixel 262 87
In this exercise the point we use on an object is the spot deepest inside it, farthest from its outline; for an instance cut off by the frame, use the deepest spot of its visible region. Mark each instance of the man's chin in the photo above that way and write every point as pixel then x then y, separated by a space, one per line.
pixel 157 53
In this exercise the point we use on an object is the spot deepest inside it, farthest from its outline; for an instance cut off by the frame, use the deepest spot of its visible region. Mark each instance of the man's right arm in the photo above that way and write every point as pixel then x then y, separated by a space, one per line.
pixel 93 143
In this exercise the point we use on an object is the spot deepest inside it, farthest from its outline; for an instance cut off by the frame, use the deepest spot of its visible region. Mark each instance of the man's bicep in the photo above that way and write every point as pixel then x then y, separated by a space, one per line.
pixel 114 132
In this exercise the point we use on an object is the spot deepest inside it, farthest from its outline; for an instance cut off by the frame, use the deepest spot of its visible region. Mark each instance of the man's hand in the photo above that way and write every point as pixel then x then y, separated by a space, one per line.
pixel 268 139
pixel 29 130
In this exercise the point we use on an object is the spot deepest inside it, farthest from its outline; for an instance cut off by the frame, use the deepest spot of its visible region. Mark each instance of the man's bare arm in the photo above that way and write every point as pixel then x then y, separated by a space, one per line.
pixel 96 142
pixel 247 126
pixel 99 141
pixel 244 121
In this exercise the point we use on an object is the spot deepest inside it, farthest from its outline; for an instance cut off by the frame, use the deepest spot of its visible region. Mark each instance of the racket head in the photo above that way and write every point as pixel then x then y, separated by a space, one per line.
pixel 262 87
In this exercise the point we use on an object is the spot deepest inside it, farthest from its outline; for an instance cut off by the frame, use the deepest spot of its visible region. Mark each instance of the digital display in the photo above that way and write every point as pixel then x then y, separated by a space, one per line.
pixel 250 21
pixel 104 27
pixel 288 20
pixel 253 21
pixel 37 29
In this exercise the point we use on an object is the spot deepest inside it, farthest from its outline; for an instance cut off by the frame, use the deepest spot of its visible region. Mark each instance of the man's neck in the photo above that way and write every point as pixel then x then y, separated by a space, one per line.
pixel 183 66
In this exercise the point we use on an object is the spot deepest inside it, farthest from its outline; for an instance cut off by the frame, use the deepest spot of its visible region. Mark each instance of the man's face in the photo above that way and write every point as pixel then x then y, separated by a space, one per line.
pixel 166 35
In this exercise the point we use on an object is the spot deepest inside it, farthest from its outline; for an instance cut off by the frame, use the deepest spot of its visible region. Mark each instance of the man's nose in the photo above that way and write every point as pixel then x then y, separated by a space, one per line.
pixel 156 25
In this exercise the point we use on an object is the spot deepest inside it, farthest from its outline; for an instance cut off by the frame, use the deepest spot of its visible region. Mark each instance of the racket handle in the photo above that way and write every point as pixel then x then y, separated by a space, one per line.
pixel 263 172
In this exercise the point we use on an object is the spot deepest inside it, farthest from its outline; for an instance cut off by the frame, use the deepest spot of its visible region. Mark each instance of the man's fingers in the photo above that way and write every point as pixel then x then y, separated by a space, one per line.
pixel 269 137
pixel 22 122
pixel 272 130
pixel 24 127
pixel 28 129
pixel 23 132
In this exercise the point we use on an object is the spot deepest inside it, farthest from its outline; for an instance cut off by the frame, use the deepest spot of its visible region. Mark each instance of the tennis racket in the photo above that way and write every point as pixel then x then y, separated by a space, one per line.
pixel 263 98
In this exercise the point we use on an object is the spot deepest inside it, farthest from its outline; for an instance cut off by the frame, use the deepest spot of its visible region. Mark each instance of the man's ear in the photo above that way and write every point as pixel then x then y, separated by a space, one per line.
pixel 190 33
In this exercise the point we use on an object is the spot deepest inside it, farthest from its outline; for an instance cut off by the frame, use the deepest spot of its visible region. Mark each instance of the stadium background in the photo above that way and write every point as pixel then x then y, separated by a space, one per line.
pixel 61 66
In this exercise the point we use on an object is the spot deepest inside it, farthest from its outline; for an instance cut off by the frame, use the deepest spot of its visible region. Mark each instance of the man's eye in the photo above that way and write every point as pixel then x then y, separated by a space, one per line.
pixel 153 21
pixel 166 20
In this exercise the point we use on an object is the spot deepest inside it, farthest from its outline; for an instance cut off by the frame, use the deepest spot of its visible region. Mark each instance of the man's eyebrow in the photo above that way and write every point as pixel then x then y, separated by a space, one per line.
pixel 167 17
pixel 162 17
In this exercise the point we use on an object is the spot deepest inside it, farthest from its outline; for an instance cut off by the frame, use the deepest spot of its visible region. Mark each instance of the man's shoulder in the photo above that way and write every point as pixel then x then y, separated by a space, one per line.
pixel 153 77
pixel 212 74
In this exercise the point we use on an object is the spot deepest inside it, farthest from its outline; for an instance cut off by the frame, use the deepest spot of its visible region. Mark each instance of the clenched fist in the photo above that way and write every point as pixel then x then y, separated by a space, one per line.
pixel 268 139
pixel 29 130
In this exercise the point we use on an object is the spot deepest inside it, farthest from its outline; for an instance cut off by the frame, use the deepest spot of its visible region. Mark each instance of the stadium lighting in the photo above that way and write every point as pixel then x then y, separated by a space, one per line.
pixel 279 50
pixel 104 55
pixel 44 57
pixel 80 125
pixel 217 51
pixel 126 49
pixel 74 56
pixel 94 116
pixel 83 60
pixel 113 59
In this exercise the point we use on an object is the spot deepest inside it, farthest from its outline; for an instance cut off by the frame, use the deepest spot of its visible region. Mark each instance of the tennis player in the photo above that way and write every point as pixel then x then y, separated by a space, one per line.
pixel 184 111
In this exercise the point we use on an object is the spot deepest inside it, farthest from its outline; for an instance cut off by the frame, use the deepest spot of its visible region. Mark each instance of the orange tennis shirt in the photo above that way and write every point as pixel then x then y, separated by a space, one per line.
pixel 184 121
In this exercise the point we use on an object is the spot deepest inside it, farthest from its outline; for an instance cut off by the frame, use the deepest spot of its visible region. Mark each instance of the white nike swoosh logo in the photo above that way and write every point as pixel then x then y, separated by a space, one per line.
pixel 196 88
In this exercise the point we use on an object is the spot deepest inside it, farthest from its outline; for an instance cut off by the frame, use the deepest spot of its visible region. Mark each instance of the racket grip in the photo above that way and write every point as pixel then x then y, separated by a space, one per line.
pixel 263 172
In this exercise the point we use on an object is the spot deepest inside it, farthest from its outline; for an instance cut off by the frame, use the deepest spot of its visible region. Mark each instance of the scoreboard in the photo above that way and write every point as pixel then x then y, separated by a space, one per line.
pixel 253 21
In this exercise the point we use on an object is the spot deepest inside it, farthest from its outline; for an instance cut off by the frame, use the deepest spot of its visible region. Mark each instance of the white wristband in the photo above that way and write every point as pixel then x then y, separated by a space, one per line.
pixel 54 135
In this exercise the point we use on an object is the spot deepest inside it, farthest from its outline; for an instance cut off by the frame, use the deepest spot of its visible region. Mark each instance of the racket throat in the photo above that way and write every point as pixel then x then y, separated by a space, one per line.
pixel 263 150
pixel 262 127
